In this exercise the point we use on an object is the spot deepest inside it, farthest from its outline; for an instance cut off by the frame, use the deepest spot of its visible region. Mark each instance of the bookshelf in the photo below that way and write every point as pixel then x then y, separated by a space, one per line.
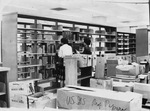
pixel 30 43
pixel 126 43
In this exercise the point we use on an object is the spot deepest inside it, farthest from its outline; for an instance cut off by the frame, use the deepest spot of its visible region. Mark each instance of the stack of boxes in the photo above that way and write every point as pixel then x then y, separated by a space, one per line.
pixel 23 94
pixel 123 86
pixel 100 80
pixel 19 92
pixel 131 77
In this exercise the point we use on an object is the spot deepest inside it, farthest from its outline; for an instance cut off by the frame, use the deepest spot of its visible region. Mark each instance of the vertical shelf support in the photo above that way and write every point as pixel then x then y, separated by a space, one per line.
pixel 70 70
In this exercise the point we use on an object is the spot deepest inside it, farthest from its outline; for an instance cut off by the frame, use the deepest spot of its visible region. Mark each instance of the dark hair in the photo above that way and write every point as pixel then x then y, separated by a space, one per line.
pixel 64 41
pixel 87 41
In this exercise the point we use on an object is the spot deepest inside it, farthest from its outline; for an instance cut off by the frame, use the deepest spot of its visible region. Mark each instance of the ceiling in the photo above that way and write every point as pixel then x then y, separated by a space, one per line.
pixel 120 13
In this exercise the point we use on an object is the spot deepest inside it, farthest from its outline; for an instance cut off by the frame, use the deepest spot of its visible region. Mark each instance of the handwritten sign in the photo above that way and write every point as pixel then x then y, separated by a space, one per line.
pixel 96 103
pixel 80 99
pixel 75 100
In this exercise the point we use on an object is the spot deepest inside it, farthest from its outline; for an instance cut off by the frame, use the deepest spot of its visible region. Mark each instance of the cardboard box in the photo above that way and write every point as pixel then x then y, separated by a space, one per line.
pixel 143 89
pixel 22 87
pixel 122 86
pixel 18 101
pixel 125 57
pixel 142 58
pixel 146 64
pixel 40 100
pixel 101 83
pixel 122 60
pixel 37 100
pixel 76 97
pixel 141 68
pixel 110 56
pixel 143 78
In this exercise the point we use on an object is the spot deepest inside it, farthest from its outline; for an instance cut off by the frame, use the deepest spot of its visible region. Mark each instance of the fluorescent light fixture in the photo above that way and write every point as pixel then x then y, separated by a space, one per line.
pixel 59 9
pixel 125 21
pixel 98 16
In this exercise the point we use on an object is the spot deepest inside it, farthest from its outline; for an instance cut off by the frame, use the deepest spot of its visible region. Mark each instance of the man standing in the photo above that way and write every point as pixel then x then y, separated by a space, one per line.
pixel 86 71
pixel 64 50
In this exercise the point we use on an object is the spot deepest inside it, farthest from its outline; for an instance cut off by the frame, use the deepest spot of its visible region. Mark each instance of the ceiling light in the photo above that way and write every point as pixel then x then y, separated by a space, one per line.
pixel 125 21
pixel 98 16
pixel 59 9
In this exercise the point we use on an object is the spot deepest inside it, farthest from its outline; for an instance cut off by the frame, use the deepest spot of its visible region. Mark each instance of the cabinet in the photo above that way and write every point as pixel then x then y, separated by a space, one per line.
pixel 126 43
pixel 142 42
pixel 3 87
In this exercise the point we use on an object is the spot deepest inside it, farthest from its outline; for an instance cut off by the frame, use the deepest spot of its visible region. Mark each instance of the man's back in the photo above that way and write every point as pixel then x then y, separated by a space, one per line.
pixel 65 50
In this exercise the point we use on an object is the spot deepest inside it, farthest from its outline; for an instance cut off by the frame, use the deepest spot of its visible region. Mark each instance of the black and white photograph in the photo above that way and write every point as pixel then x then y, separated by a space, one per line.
pixel 74 55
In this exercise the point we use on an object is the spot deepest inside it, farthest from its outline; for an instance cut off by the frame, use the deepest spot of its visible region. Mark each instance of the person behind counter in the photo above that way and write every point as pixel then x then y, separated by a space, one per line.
pixel 86 48
pixel 86 71
pixel 64 50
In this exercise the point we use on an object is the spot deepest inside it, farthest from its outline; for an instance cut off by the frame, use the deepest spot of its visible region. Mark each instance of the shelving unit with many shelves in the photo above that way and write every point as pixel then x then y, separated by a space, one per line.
pixel 37 51
pixel 30 42
pixel 107 38
pixel 29 48
pixel 132 44
pixel 126 43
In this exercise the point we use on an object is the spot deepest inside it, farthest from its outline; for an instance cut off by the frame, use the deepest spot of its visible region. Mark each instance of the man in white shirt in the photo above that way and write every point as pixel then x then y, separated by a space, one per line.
pixel 65 49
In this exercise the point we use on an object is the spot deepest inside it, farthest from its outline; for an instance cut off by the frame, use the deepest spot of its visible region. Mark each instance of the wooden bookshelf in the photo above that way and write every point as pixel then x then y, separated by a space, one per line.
pixel 126 43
